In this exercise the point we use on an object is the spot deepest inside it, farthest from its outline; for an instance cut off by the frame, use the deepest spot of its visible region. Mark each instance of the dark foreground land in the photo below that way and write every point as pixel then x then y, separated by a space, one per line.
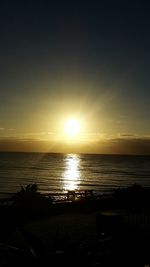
pixel 112 230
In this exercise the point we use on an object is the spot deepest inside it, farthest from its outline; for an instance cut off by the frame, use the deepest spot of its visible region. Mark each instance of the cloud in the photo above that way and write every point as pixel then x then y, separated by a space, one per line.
pixel 2 129
pixel 34 133
pixel 134 146
pixel 127 135
pixel 128 145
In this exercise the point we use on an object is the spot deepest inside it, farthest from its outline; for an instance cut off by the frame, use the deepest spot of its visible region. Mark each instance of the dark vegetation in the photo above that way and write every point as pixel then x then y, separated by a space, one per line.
pixel 116 243
pixel 29 204
pixel 134 196
pixel 28 199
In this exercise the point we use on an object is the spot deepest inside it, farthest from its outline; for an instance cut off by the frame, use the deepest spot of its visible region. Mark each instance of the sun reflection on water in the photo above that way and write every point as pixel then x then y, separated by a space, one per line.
pixel 72 172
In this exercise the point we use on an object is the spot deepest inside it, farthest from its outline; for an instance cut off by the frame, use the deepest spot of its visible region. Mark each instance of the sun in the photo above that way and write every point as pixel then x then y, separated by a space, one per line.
pixel 72 128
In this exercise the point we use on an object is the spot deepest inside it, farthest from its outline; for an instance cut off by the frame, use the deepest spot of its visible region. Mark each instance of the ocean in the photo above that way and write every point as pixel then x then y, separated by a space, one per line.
pixel 58 173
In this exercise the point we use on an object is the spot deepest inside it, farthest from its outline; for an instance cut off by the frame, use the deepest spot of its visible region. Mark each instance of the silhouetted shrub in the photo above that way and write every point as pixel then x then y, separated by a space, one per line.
pixel 132 196
pixel 29 198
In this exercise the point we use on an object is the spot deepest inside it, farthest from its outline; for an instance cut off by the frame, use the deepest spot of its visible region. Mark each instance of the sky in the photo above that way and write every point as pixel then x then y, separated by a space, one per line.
pixel 88 60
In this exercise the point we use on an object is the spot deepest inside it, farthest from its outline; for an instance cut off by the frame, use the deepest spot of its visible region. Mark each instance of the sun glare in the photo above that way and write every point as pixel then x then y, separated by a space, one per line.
pixel 72 128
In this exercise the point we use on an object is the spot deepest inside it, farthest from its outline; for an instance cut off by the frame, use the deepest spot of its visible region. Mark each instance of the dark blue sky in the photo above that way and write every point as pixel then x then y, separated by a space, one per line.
pixel 88 58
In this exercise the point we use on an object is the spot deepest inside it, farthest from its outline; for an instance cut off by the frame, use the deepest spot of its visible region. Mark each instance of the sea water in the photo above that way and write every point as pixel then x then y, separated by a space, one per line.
pixel 56 173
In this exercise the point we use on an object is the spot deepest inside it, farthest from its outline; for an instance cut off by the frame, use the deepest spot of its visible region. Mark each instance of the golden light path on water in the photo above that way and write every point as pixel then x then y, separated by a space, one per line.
pixel 72 172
